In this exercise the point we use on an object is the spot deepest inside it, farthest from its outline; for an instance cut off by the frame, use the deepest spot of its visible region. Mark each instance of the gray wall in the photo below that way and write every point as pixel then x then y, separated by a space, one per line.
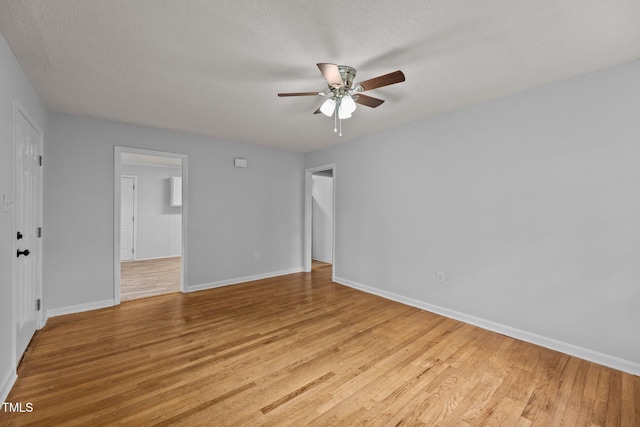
pixel 13 85
pixel 231 213
pixel 159 225
pixel 529 204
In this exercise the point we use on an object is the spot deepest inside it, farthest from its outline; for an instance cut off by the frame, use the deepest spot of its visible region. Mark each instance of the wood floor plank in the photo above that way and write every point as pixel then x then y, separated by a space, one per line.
pixel 302 350
pixel 598 414
pixel 629 400
pixel 149 277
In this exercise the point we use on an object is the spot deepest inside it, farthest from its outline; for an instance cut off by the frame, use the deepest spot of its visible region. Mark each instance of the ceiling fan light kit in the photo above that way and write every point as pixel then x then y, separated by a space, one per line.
pixel 328 107
pixel 343 94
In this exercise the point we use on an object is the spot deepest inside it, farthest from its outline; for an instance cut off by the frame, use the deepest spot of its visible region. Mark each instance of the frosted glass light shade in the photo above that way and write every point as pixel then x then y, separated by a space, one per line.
pixel 328 107
pixel 348 104
pixel 342 113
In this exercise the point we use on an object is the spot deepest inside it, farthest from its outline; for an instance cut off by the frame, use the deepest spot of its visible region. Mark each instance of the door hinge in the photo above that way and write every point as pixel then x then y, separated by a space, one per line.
pixel 39 231
pixel 38 304
pixel 40 160
pixel 131 250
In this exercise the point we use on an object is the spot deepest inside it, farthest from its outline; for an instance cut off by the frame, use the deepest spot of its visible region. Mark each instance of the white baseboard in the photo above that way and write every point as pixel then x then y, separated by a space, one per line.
pixel 7 384
pixel 152 258
pixel 237 280
pixel 109 303
pixel 550 343
pixel 42 322
pixel 79 308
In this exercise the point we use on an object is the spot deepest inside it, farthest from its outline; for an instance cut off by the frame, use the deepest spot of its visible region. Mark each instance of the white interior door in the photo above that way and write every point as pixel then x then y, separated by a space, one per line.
pixel 127 217
pixel 28 214
pixel 322 217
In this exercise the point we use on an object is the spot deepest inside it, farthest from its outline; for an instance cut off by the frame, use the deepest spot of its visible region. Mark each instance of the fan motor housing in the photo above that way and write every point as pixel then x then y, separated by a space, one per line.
pixel 348 74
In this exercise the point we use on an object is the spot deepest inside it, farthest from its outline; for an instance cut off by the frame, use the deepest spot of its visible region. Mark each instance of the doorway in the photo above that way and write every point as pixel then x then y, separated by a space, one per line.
pixel 319 249
pixel 149 223
pixel 27 267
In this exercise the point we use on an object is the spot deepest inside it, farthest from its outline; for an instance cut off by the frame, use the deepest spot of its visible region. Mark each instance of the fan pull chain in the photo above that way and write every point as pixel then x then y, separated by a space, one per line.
pixel 335 121
pixel 340 127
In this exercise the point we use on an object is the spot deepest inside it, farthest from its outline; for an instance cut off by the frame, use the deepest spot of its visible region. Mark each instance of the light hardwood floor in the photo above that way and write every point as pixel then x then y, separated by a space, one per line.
pixel 300 350
pixel 140 279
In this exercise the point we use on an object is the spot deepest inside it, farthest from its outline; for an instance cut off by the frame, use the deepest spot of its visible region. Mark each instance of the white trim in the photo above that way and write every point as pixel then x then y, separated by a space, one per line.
pixel 238 280
pixel 79 308
pixel 152 258
pixel 118 150
pixel 550 343
pixel 7 384
pixel 306 251
pixel 149 164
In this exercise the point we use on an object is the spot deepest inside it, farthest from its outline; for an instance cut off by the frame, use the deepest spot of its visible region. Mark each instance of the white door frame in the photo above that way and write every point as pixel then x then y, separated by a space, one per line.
pixel 308 235
pixel 135 212
pixel 18 109
pixel 118 150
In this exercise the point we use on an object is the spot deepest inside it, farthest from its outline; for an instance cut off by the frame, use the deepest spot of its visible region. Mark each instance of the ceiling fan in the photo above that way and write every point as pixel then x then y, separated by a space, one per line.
pixel 343 94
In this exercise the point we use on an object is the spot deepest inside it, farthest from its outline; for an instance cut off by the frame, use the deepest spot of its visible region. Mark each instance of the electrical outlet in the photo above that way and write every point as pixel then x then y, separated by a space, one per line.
pixel 256 255
pixel 440 277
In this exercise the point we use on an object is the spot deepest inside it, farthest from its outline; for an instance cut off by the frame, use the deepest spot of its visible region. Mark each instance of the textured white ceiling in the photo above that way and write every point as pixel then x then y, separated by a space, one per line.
pixel 214 68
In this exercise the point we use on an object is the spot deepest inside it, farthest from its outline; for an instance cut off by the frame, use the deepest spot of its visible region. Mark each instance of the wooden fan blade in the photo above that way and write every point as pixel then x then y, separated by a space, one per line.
pixel 301 94
pixel 369 101
pixel 317 111
pixel 386 80
pixel 331 74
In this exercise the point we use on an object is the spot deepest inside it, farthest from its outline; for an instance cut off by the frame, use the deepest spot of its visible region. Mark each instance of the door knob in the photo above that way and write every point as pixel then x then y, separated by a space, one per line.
pixel 25 252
